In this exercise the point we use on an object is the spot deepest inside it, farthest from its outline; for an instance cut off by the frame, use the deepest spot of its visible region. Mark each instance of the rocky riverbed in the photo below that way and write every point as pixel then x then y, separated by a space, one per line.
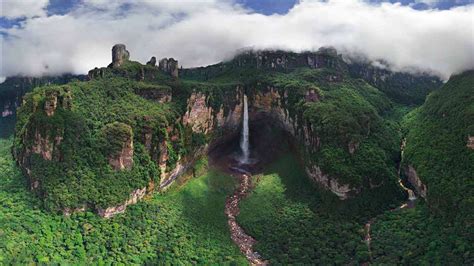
pixel 244 241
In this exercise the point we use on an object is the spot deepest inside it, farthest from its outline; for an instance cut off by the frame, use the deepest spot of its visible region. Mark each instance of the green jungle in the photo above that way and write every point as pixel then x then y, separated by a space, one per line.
pixel 334 182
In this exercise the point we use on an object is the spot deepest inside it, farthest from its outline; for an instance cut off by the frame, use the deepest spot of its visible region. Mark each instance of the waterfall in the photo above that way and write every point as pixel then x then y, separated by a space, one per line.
pixel 244 138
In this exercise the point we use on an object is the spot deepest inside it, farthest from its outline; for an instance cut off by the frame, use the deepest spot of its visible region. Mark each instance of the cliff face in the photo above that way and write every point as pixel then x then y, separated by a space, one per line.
pixel 13 89
pixel 415 181
pixel 438 158
pixel 277 60
pixel 273 102
pixel 135 128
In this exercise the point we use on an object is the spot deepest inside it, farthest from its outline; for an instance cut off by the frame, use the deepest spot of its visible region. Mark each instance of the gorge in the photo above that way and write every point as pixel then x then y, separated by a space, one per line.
pixel 270 157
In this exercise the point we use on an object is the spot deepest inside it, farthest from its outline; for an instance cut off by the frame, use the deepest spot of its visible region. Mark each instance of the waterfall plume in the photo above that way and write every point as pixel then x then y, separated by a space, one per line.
pixel 244 138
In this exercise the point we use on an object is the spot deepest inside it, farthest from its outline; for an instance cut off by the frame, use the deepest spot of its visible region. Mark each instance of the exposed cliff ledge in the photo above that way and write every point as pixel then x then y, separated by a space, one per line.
pixel 415 181
pixel 341 190
pixel 470 142
pixel 160 94
pixel 135 196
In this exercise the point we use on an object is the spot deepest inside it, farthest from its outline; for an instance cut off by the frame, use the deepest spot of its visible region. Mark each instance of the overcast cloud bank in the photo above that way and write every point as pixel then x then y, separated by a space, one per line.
pixel 211 31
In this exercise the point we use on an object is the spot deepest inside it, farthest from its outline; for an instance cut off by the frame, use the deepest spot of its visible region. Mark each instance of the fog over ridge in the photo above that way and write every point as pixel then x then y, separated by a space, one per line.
pixel 441 41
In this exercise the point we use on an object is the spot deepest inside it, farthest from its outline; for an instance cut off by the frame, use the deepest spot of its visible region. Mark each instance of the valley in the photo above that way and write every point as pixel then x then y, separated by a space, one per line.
pixel 271 157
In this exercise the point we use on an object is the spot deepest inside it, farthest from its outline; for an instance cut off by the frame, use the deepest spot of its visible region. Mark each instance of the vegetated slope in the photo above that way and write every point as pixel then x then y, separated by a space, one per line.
pixel 12 91
pixel 81 174
pixel 87 124
pixel 415 236
pixel 438 148
pixel 68 137
pixel 355 143
pixel 400 87
pixel 294 222
pixel 185 225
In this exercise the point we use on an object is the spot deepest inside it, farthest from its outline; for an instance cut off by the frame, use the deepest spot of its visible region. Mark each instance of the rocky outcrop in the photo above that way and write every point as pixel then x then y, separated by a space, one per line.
pixel 8 109
pixel 312 96
pixel 353 146
pixel 470 142
pixel 203 119
pixel 50 103
pixel 13 89
pixel 199 115
pixel 44 146
pixel 182 166
pixel 54 97
pixel 135 196
pixel 266 59
pixel 120 142
pixel 341 190
pixel 119 55
pixel 169 66
pixel 157 93
pixel 415 181
pixel 152 61
pixel 68 211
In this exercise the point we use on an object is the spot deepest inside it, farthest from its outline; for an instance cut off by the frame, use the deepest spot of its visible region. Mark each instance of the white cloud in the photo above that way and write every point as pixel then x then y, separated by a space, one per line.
pixel 22 8
pixel 210 31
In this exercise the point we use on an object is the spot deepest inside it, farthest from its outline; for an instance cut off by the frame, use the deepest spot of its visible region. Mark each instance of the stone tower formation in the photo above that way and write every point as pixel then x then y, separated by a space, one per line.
pixel 120 55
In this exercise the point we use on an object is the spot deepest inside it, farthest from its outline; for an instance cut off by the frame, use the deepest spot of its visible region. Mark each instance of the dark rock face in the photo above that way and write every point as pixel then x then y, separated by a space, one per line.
pixel 170 66
pixel 13 89
pixel 277 60
pixel 119 55
pixel 281 60
pixel 401 87
pixel 95 73
pixel 157 94
pixel 415 181
pixel 152 61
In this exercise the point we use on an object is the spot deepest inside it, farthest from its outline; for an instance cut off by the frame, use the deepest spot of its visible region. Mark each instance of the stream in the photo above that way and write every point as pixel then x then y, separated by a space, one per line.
pixel 409 203
pixel 244 241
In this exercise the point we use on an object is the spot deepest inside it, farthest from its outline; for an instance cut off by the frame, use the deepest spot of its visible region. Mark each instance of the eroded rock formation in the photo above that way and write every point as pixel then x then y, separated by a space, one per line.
pixel 415 181
pixel 170 66
pixel 135 196
pixel 119 55
pixel 157 93
pixel 152 61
